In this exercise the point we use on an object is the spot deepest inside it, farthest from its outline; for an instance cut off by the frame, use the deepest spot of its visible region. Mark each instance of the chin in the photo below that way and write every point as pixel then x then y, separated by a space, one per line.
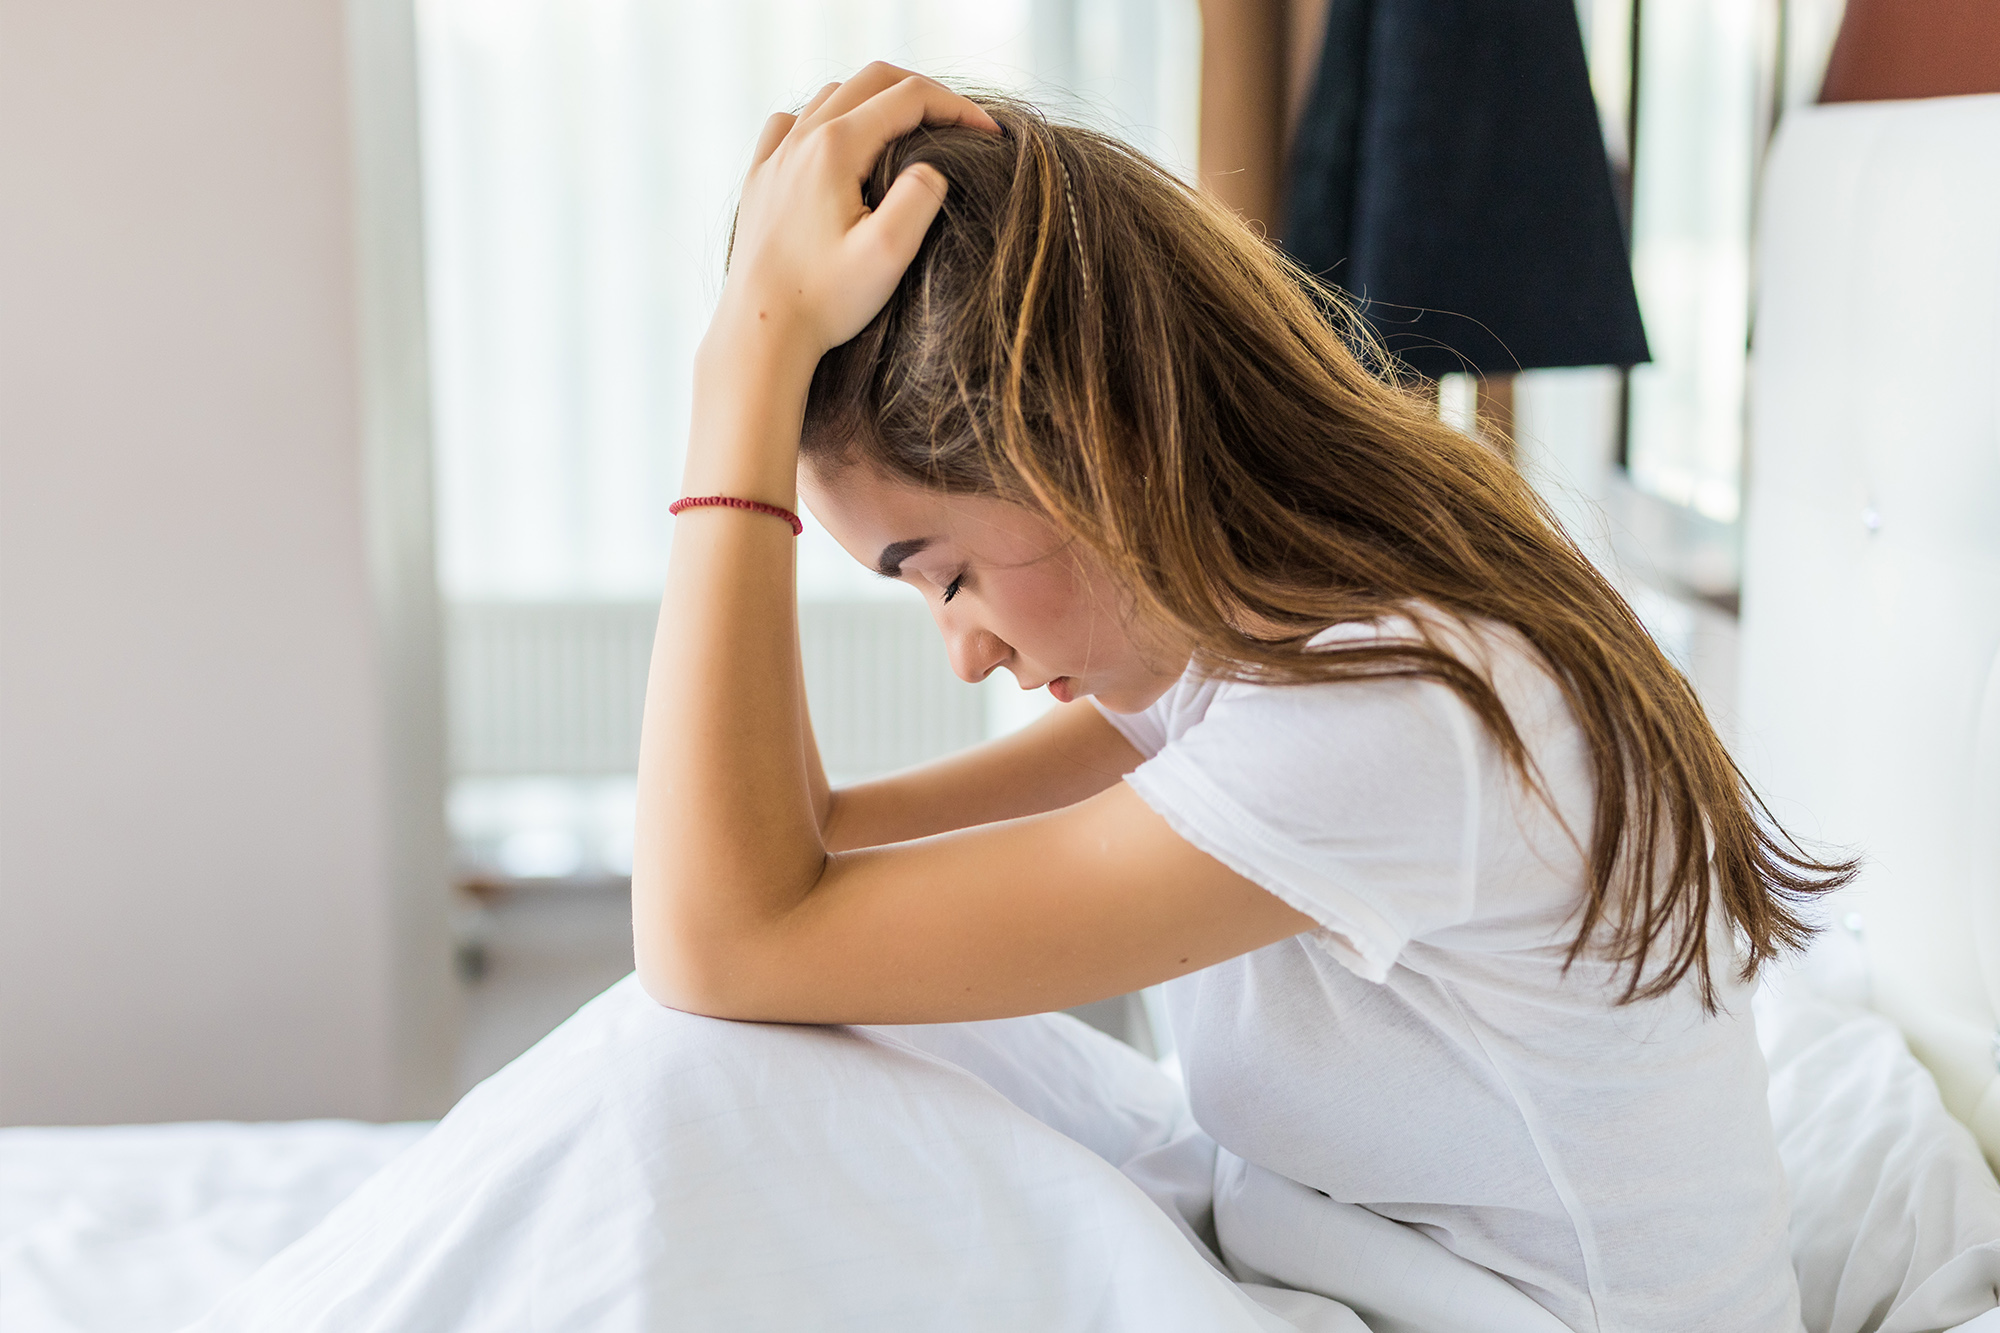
pixel 1121 701
pixel 1130 695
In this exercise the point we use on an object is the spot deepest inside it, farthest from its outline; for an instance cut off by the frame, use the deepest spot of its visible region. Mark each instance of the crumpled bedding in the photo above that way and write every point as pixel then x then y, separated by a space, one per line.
pixel 138 1228
pixel 1895 1217
pixel 644 1169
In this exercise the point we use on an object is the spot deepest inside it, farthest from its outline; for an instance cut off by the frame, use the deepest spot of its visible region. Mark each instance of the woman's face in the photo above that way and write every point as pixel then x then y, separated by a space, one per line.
pixel 1007 589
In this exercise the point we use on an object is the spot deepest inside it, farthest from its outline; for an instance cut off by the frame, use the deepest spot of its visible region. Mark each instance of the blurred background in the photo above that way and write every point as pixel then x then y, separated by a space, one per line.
pixel 344 360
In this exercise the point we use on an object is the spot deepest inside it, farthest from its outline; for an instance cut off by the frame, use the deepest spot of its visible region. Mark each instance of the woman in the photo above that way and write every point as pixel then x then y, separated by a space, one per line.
pixel 1456 891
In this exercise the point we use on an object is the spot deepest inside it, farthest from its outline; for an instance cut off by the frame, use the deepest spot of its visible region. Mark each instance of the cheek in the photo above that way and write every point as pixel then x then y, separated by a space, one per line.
pixel 1027 605
pixel 1023 601
pixel 1051 611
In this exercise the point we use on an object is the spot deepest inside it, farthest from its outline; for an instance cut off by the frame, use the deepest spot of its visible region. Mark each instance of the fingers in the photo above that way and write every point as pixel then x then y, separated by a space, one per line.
pixel 819 99
pixel 894 112
pixel 898 225
pixel 867 81
pixel 774 132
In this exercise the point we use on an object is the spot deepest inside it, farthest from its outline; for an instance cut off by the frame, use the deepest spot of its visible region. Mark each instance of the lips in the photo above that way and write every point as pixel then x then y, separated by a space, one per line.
pixel 1062 689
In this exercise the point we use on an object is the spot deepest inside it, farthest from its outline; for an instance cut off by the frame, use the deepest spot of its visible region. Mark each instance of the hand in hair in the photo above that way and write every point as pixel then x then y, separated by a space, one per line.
pixel 810 262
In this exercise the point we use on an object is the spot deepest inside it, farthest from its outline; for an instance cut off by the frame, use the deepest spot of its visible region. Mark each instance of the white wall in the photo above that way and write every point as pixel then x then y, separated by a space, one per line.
pixel 221 887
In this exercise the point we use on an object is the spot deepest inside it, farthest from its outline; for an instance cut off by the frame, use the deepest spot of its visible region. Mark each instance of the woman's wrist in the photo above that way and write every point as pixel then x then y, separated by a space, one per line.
pixel 750 385
pixel 766 335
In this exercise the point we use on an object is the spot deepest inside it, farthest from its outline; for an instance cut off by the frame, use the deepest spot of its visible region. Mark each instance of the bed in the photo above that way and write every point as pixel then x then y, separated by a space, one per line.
pixel 685 1173
pixel 689 1173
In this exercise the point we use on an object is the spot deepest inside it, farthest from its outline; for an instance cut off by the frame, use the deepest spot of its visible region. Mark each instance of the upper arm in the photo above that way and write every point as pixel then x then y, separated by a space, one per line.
pixel 1022 916
pixel 1066 756
pixel 1357 801
pixel 1352 808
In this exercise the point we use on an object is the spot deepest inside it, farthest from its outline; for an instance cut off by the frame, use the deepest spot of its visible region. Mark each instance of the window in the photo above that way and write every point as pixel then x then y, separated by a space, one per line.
pixel 1701 114
pixel 1689 92
pixel 1646 468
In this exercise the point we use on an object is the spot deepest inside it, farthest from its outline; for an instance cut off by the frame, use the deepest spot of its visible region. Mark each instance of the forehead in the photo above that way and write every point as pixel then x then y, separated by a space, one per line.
pixel 861 498
pixel 866 511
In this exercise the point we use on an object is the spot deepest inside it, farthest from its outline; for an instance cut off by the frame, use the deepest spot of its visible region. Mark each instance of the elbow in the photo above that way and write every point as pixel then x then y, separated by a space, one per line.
pixel 674 989
pixel 703 977
pixel 707 943
pixel 701 966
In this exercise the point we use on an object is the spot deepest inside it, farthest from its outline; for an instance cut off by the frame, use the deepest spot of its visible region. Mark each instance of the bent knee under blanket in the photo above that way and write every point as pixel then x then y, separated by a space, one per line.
pixel 647 1169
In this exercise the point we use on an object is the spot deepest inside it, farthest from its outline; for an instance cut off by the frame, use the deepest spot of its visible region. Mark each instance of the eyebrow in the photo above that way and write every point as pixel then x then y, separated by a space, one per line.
pixel 889 564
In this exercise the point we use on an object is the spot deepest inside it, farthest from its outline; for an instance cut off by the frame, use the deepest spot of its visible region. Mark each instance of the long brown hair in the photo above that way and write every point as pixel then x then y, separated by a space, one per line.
pixel 1085 334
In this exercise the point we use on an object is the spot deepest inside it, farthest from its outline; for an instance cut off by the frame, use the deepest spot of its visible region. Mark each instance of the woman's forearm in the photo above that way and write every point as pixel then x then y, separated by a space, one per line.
pixel 816 782
pixel 1066 756
pixel 731 801
pixel 728 830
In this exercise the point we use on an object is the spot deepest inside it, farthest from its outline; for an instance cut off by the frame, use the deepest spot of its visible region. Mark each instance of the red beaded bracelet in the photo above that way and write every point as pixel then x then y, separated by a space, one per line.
pixel 731 502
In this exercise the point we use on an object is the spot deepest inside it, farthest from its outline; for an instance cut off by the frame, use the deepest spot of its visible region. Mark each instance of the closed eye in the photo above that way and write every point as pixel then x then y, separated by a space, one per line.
pixel 951 589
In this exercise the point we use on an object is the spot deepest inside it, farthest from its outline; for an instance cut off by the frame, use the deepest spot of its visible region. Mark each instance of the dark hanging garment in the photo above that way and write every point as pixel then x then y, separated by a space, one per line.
pixel 1449 173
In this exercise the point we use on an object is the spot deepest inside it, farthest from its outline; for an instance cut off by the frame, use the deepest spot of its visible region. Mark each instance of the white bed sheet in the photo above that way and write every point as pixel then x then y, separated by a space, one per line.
pixel 139 1228
pixel 643 1169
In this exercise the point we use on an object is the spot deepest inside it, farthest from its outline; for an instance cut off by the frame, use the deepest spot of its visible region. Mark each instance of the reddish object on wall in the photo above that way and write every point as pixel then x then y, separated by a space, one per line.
pixel 1892 49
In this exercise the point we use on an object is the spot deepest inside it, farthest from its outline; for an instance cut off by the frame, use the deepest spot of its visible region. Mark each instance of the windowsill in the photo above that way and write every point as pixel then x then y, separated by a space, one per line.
pixel 1673 548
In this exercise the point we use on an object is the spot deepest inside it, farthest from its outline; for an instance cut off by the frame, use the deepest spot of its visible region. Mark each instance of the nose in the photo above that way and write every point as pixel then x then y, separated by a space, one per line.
pixel 974 653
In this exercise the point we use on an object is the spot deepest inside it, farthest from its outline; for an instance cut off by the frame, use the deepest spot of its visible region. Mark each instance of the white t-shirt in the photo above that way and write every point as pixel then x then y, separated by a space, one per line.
pixel 1423 1053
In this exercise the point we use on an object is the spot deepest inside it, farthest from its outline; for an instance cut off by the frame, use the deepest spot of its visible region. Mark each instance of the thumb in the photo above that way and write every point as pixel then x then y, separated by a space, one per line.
pixel 907 210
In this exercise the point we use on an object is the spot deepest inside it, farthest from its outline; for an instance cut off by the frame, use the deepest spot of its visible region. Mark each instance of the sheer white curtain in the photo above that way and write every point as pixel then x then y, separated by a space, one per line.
pixel 1714 78
pixel 582 157
pixel 1703 109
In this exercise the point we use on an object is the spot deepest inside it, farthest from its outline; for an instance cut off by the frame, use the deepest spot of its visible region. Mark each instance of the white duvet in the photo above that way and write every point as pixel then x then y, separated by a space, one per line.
pixel 643 1169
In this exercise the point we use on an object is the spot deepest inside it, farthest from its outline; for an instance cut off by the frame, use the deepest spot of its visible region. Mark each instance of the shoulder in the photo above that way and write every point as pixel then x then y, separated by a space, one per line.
pixel 1355 801
pixel 1354 710
pixel 1410 709
pixel 1370 803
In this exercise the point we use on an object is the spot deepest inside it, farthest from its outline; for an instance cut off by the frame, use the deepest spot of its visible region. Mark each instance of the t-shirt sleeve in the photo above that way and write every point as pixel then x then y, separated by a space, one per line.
pixel 1356 802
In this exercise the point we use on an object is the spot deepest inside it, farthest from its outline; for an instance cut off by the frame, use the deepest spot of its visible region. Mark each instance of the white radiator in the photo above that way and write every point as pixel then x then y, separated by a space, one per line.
pixel 882 693
pixel 555 689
